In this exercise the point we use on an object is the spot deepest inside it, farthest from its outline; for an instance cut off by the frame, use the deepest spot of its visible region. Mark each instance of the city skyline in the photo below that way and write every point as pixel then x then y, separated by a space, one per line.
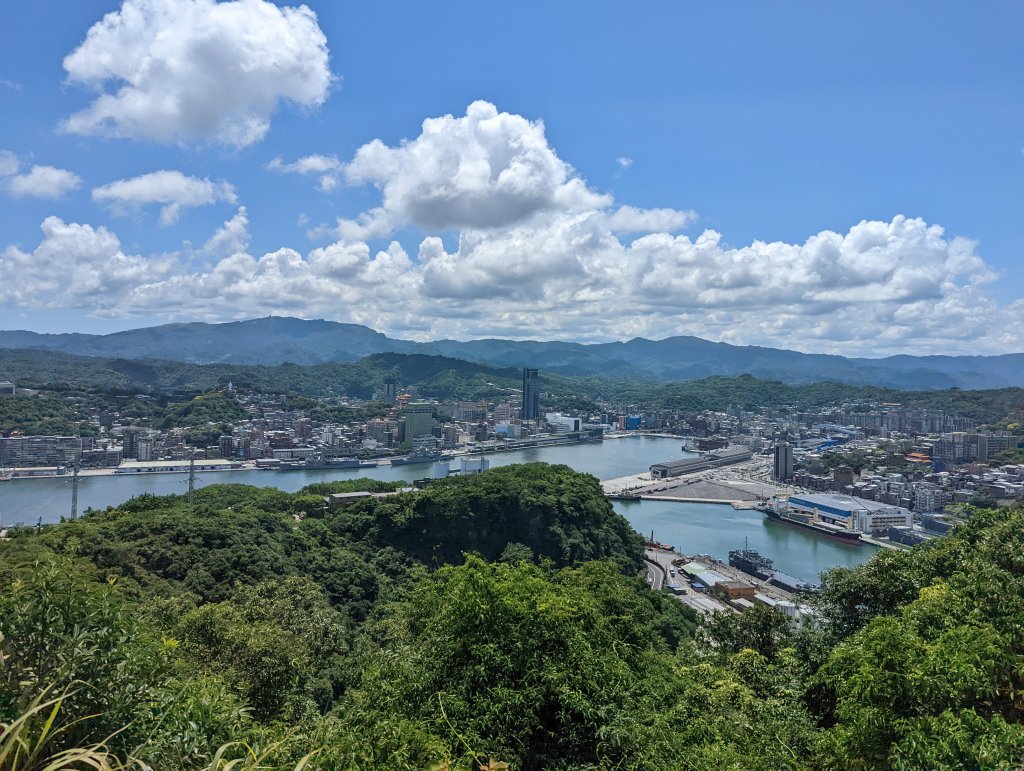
pixel 824 184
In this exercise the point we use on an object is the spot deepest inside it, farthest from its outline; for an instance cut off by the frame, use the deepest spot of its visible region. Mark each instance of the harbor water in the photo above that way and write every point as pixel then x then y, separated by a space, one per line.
pixel 693 528
pixel 716 529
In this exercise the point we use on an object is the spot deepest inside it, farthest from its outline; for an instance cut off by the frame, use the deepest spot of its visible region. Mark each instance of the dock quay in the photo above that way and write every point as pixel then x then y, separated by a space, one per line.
pixel 525 444
pixel 708 585
pixel 883 544
pixel 739 485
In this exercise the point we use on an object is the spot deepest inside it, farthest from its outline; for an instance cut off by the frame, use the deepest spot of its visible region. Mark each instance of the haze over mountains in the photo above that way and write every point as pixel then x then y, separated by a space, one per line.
pixel 275 340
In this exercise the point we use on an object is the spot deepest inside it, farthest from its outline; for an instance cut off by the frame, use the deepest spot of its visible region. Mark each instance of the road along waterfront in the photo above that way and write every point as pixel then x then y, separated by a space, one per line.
pixel 693 528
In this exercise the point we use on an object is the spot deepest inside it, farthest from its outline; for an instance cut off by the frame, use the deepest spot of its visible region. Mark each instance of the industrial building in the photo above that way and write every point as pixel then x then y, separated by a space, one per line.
pixel 674 468
pixel 851 513
pixel 168 466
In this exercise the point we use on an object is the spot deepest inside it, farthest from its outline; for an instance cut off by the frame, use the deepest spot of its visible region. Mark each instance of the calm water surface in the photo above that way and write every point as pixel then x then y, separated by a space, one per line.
pixel 26 500
pixel 694 528
pixel 715 529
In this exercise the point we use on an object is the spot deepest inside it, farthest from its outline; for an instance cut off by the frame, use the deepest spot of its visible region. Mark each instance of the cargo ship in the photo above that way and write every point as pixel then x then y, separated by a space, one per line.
pixel 808 523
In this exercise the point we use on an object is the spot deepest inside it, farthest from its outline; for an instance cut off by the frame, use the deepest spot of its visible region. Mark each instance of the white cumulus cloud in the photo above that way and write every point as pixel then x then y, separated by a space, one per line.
pixel 327 168
pixel 485 169
pixel 170 70
pixel 76 266
pixel 882 287
pixel 43 182
pixel 339 280
pixel 172 190
pixel 901 286
pixel 231 238
pixel 630 219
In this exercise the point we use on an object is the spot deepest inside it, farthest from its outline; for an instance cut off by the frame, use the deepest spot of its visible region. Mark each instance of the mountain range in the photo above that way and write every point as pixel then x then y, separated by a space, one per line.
pixel 275 340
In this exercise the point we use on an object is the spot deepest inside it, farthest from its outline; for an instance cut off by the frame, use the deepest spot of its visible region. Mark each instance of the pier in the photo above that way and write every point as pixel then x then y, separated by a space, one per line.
pixel 742 485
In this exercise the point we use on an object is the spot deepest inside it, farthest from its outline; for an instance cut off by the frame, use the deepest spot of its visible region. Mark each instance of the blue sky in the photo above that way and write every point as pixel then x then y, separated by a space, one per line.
pixel 824 178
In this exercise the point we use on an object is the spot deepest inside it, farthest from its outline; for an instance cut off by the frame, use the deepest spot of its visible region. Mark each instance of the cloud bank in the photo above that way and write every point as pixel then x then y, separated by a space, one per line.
pixel 879 288
pixel 514 243
pixel 77 266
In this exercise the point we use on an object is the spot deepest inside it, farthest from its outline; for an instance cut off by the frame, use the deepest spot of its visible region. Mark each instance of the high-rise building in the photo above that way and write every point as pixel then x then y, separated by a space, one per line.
pixel 145 448
pixel 130 444
pixel 783 461
pixel 40 450
pixel 419 421
pixel 961 447
pixel 7 388
pixel 531 394
pixel 390 390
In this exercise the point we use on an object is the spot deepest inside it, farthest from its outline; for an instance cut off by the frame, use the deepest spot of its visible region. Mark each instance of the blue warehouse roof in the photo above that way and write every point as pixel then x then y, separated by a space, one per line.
pixel 842 505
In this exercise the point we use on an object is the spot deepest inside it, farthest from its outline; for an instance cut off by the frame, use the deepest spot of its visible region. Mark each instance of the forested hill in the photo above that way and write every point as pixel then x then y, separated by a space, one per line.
pixel 442 378
pixel 275 340
pixel 434 375
pixel 485 621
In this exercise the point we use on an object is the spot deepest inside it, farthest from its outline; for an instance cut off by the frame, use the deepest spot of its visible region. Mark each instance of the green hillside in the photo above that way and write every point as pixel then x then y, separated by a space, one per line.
pixel 485 620
pixel 93 384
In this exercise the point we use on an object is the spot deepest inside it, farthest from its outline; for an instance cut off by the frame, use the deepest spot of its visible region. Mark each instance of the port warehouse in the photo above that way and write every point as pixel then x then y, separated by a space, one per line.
pixel 152 467
pixel 741 595
pixel 851 513
pixel 726 457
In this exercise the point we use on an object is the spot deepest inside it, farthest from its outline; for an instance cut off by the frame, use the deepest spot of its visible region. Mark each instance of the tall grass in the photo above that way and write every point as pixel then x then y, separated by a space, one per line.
pixel 27 743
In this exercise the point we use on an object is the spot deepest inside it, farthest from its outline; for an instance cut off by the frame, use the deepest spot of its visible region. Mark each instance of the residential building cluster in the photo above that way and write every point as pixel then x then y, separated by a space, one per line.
pixel 272 434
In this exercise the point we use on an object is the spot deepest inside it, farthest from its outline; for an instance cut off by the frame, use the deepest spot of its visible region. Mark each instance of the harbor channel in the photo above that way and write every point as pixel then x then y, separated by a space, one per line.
pixel 692 527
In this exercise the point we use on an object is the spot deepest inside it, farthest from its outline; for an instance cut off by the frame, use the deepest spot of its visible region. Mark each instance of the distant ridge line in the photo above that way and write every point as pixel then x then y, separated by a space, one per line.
pixel 279 339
